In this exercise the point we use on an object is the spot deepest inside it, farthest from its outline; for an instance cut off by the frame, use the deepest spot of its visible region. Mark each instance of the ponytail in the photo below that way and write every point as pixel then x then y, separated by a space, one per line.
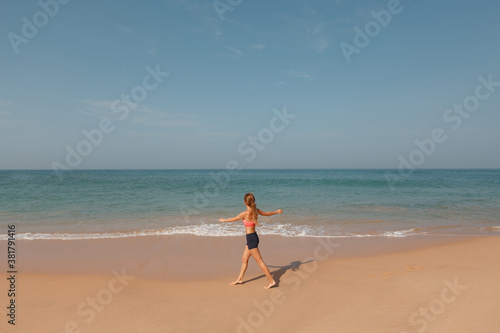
pixel 250 202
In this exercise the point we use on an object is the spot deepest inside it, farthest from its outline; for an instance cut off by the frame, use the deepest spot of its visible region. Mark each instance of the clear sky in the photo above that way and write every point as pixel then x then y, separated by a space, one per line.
pixel 229 67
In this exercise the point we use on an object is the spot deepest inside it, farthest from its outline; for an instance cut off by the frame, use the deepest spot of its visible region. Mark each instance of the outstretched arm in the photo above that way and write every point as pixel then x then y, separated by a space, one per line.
pixel 232 219
pixel 279 211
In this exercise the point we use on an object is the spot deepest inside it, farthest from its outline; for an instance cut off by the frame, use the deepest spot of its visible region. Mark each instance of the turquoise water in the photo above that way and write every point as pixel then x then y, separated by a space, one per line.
pixel 336 203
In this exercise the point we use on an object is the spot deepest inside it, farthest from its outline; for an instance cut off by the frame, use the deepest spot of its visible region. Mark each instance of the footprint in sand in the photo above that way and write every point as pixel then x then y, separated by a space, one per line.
pixel 386 273
pixel 413 268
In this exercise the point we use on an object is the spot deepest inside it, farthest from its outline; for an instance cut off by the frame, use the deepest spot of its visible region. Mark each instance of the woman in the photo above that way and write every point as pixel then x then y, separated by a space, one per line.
pixel 251 249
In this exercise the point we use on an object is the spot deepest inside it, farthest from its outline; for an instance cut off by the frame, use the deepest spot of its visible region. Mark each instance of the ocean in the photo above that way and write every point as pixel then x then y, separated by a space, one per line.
pixel 88 204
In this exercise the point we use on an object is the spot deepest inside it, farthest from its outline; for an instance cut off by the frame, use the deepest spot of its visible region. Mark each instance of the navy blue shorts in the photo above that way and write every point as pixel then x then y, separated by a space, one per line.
pixel 252 240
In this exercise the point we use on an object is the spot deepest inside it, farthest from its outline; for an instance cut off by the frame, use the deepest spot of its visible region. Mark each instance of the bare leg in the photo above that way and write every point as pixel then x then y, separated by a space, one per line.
pixel 258 258
pixel 244 265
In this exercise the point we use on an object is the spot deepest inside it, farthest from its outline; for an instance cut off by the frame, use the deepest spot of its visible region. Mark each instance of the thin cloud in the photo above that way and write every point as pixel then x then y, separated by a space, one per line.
pixel 6 115
pixel 308 10
pixel 140 115
pixel 204 13
pixel 152 51
pixel 232 54
pixel 320 44
pixel 152 117
pixel 137 33
pixel 235 51
pixel 301 74
pixel 4 103
pixel 97 108
pixel 317 29
pixel 328 135
pixel 258 46
pixel 319 39
pixel 6 118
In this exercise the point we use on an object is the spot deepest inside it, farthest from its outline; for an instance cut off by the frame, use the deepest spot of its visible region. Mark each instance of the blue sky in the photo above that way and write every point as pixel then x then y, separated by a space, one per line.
pixel 227 76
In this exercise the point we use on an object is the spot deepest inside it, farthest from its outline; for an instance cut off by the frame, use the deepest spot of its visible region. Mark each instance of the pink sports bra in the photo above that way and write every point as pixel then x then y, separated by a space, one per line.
pixel 248 223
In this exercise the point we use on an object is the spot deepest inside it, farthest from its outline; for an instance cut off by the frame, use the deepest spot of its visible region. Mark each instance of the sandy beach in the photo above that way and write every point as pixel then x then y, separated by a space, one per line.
pixel 324 285
pixel 346 151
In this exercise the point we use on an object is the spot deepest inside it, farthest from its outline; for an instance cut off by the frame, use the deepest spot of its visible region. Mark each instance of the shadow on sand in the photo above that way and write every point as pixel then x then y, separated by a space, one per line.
pixel 277 274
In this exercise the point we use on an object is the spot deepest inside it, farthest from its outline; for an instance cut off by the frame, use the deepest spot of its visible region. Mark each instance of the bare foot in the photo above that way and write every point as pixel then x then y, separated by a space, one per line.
pixel 236 282
pixel 270 285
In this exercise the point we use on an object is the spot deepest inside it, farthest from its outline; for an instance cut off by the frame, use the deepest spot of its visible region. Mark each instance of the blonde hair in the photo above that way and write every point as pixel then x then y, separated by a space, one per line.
pixel 250 202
